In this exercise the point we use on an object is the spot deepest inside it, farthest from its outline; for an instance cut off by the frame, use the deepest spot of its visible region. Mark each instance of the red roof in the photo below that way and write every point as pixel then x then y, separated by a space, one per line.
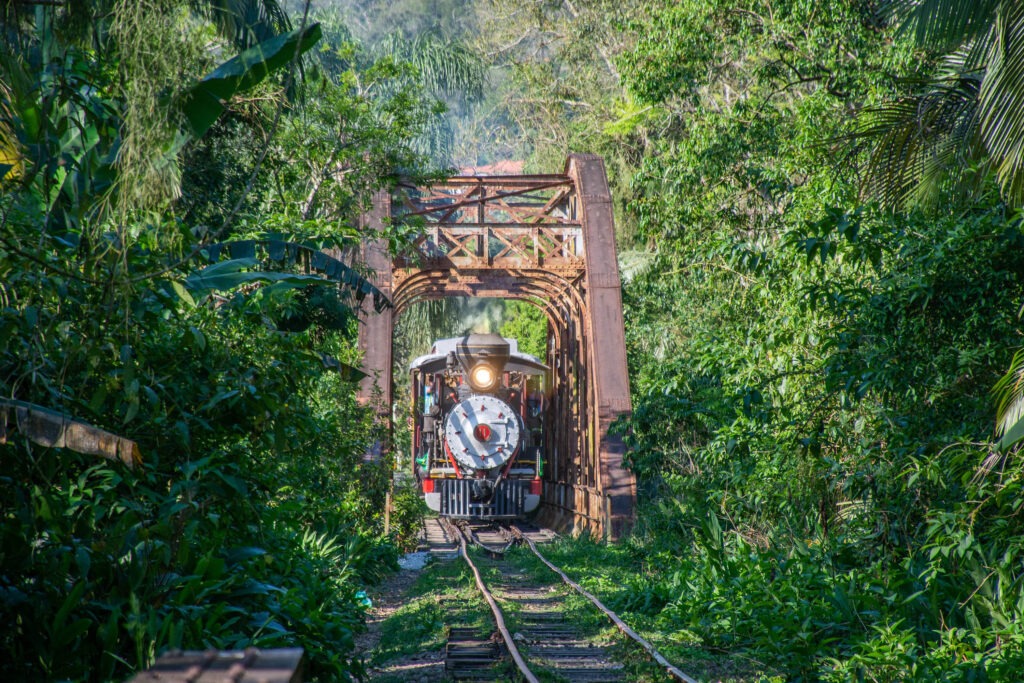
pixel 507 167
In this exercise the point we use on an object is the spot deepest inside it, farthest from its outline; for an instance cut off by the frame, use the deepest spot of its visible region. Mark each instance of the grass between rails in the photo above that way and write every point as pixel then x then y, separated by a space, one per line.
pixel 611 572
pixel 577 612
pixel 445 596
pixel 616 576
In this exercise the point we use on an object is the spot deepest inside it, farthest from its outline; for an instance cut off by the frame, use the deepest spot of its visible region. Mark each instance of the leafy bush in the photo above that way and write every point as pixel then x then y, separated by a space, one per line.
pixel 253 519
pixel 811 373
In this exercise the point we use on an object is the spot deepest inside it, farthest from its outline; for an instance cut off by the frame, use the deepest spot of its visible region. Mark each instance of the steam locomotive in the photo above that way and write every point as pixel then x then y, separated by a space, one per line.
pixel 478 414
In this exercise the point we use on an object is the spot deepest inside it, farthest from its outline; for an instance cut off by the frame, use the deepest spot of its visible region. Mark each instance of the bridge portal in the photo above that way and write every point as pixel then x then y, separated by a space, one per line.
pixel 548 240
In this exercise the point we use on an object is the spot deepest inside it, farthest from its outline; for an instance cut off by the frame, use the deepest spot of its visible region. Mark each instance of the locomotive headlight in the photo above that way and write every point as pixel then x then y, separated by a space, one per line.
pixel 483 377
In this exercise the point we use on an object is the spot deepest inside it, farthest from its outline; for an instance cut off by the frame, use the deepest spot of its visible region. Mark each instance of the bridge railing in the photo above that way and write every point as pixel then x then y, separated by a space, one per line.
pixel 495 222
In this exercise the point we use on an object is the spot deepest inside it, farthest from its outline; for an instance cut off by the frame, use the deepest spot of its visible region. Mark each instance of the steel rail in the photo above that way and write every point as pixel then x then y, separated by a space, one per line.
pixel 499 618
pixel 622 626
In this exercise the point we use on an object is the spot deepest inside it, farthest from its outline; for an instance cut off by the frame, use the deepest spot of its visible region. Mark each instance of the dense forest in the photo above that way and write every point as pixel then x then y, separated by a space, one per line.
pixel 818 207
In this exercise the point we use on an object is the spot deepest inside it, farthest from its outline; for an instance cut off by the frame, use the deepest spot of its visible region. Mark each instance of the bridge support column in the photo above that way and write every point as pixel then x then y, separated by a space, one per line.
pixel 609 380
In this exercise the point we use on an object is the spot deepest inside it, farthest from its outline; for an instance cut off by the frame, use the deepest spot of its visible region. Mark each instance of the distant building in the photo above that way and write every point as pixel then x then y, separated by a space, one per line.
pixel 507 167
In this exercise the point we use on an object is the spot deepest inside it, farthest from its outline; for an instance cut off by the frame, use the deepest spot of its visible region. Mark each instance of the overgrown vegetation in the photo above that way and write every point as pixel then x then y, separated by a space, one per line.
pixel 821 493
pixel 176 231
pixel 824 205
pixel 444 596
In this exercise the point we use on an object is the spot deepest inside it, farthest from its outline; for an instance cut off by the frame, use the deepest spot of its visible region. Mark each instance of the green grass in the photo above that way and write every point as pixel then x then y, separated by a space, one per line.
pixel 443 596
pixel 613 574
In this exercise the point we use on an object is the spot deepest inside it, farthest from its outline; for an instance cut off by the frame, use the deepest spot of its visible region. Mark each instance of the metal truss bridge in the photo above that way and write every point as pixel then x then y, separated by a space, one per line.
pixel 548 240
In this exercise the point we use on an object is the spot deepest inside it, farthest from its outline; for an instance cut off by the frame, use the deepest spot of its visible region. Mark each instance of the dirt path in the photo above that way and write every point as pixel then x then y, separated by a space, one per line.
pixel 389 598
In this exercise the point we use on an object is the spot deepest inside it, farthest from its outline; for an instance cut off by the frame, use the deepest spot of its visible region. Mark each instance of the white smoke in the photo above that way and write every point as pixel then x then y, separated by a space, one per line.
pixel 482 315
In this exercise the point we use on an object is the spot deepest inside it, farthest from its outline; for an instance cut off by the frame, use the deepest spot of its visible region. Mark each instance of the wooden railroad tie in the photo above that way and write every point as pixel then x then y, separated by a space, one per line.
pixel 251 665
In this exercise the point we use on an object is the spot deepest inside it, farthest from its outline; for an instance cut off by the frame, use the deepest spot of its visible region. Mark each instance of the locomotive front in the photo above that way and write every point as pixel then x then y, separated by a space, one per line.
pixel 478 412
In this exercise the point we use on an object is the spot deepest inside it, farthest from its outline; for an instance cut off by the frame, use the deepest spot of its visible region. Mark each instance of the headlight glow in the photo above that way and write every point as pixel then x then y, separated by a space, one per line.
pixel 482 377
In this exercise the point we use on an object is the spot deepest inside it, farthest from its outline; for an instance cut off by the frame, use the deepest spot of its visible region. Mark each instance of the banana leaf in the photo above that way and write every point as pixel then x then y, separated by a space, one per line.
pixel 230 274
pixel 307 255
pixel 206 100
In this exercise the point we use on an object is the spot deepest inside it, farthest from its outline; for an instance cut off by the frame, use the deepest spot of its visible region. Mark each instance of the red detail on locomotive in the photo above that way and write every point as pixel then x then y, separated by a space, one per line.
pixel 428 486
pixel 482 433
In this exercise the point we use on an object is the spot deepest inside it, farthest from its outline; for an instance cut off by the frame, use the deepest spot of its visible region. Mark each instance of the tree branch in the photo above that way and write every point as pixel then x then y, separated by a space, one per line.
pixel 600 50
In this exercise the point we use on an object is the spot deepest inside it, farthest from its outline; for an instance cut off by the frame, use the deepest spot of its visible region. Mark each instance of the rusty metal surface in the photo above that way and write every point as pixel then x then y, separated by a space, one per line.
pixel 606 332
pixel 549 240
pixel 237 666
pixel 494 223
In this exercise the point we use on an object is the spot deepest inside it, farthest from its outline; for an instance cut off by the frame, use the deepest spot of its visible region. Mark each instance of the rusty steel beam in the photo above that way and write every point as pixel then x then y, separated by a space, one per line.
pixel 500 181
pixel 495 283
pixel 473 199
pixel 606 332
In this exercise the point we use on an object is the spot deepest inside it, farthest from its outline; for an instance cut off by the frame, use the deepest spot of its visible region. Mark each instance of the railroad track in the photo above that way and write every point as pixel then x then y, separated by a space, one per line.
pixel 542 644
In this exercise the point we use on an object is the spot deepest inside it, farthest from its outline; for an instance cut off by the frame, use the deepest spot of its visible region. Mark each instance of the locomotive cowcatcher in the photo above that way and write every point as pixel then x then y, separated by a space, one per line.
pixel 478 414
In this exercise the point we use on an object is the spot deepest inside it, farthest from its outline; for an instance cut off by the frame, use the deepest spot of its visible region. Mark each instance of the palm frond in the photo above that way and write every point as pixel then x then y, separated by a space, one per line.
pixel 1009 395
pixel 245 22
pixel 921 145
pixel 969 58
pixel 944 25
pixel 447 68
pixel 1002 102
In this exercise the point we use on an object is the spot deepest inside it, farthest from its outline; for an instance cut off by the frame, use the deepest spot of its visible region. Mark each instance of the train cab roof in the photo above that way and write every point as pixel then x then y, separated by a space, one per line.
pixel 437 359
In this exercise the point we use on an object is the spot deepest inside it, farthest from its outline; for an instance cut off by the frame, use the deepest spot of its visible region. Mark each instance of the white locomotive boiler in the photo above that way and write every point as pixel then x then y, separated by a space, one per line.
pixel 478 414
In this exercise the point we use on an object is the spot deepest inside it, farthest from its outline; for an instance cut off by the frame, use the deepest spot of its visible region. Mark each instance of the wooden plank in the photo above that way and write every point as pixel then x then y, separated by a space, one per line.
pixel 282 665
pixel 54 429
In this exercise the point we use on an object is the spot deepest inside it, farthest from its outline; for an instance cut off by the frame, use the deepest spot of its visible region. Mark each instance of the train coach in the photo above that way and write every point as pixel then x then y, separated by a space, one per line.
pixel 478 413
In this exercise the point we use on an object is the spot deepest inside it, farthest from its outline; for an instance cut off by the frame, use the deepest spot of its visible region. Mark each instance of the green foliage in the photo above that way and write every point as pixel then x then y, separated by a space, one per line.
pixel 309 255
pixel 810 373
pixel 528 325
pixel 1009 394
pixel 245 23
pixel 452 73
pixel 960 128
pixel 964 118
pixel 254 519
pixel 408 512
pixel 241 452
pixel 443 595
pixel 204 102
